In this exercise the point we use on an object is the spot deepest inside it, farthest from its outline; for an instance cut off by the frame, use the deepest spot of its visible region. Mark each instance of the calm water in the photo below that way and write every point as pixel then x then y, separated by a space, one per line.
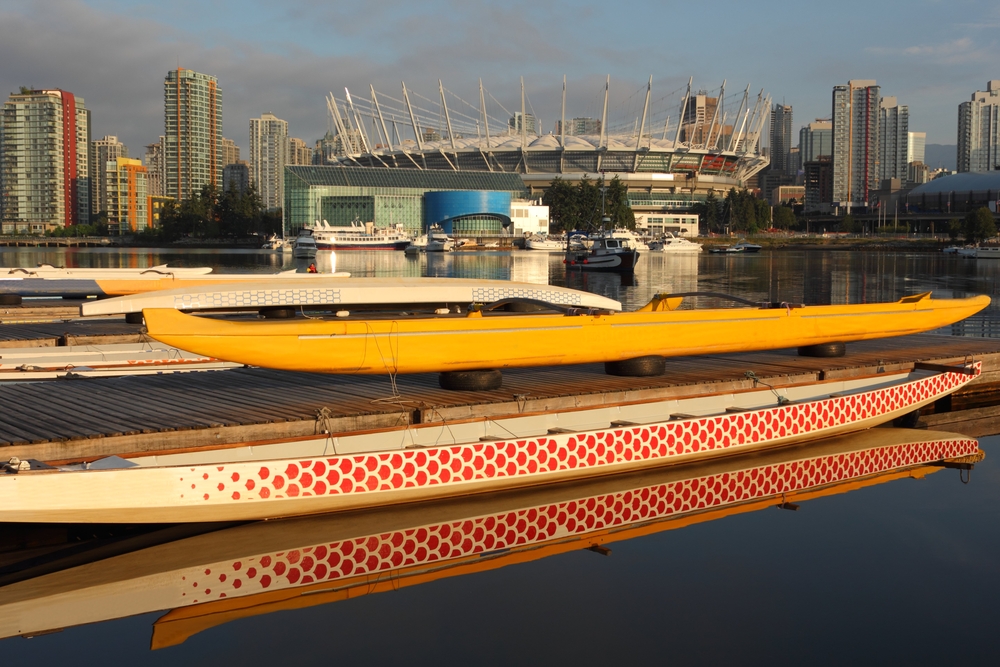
pixel 906 571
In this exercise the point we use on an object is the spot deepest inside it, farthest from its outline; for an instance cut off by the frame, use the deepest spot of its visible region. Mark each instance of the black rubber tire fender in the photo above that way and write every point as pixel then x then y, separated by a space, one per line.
pixel 133 318
pixel 484 380
pixel 278 313
pixel 825 350
pixel 647 366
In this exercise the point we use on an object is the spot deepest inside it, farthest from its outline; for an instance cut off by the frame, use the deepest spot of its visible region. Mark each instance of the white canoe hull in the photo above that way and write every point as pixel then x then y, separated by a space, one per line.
pixel 346 292
pixel 392 474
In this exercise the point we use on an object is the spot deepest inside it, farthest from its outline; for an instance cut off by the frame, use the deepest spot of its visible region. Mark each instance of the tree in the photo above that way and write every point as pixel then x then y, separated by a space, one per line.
pixel 561 199
pixel 617 206
pixel 848 225
pixel 979 225
pixel 954 229
pixel 784 217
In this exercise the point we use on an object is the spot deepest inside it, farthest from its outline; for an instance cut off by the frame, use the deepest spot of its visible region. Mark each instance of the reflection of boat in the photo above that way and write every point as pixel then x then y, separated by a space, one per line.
pixel 741 247
pixel 305 245
pixel 209 577
pixel 342 292
pixel 988 252
pixel 607 253
pixel 490 339
pixel 671 244
pixel 544 242
pixel 427 461
pixel 359 236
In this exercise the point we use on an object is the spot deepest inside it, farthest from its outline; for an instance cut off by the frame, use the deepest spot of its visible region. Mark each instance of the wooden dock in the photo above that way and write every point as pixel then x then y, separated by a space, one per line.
pixel 90 418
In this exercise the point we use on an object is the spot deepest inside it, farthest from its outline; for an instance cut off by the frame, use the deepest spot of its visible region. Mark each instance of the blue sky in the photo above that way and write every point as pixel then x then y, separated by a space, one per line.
pixel 284 57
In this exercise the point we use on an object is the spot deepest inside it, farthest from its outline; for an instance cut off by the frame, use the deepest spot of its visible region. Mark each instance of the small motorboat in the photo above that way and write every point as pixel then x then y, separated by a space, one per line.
pixel 276 243
pixel 609 253
pixel 545 243
pixel 305 245
pixel 670 244
pixel 435 240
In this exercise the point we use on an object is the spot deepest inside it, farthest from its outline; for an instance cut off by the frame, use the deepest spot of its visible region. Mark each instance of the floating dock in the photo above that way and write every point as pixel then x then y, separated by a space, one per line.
pixel 84 419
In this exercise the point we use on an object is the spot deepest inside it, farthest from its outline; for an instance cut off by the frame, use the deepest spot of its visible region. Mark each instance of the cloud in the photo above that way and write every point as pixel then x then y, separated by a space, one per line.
pixel 956 52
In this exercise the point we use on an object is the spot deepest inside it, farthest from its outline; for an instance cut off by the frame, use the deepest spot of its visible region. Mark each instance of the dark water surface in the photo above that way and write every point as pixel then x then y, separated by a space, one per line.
pixel 901 572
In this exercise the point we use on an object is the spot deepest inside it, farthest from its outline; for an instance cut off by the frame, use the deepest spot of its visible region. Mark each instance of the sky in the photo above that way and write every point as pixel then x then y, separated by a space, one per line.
pixel 283 58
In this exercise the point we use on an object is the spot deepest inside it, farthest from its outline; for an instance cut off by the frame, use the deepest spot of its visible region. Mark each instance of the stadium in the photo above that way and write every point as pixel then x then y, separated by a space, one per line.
pixel 670 153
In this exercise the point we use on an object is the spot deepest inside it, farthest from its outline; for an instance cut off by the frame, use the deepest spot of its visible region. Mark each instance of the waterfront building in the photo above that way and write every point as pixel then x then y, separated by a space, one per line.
pixel 268 155
pixel 44 161
pixel 125 195
pixel 154 210
pixel 236 175
pixel 979 130
pixel 230 152
pixel 299 152
pixel 466 203
pixel 103 151
pixel 155 168
pixel 855 142
pixel 894 140
pixel 193 156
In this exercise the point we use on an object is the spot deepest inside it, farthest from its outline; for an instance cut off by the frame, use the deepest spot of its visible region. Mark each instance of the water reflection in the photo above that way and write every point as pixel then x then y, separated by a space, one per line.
pixel 221 576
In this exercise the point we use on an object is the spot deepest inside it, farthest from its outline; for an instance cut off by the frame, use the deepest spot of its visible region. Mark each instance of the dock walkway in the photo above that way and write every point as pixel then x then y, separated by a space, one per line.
pixel 90 418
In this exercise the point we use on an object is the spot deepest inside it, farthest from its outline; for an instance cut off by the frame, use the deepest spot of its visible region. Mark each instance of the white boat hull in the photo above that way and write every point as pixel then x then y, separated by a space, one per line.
pixel 246 490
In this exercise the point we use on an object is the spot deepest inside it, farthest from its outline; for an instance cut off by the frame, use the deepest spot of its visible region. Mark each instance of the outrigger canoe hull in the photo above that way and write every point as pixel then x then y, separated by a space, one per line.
pixel 456 343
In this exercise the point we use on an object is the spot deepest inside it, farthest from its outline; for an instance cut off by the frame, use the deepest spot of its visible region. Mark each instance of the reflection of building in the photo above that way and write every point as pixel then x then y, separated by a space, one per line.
pixel 103 151
pixel 193 152
pixel 268 150
pixel 44 174
pixel 126 195
pixel 464 203
pixel 894 139
pixel 855 141
pixel 979 130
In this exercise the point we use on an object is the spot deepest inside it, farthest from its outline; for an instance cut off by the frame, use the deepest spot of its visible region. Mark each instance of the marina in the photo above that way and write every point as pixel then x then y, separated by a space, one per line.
pixel 249 413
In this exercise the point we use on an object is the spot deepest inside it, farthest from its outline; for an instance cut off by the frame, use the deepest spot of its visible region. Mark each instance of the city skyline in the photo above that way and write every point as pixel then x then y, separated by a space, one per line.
pixel 285 59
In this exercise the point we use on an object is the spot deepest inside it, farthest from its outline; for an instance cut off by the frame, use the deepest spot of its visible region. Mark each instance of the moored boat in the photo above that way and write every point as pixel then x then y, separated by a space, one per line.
pixel 358 236
pixel 427 461
pixel 545 243
pixel 487 339
pixel 305 245
pixel 608 253
pixel 344 292
pixel 226 574
pixel 674 245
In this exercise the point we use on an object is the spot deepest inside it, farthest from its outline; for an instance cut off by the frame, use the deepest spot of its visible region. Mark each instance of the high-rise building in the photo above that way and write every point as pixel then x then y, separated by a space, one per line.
pixel 299 152
pixel 915 144
pixel 192 105
pixel 102 151
pixel 979 130
pixel 702 117
pixel 894 140
pixel 781 138
pixel 237 176
pixel 816 140
pixel 818 181
pixel 514 123
pixel 126 195
pixel 44 161
pixel 580 127
pixel 230 152
pixel 155 177
pixel 855 142
pixel 268 155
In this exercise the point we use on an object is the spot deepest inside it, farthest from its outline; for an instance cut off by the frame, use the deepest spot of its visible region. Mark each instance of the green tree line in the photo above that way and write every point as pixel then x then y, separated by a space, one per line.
pixel 211 214
pixel 579 206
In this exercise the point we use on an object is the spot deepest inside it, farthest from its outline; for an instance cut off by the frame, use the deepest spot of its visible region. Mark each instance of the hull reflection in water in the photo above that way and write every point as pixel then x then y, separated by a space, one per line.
pixel 257 568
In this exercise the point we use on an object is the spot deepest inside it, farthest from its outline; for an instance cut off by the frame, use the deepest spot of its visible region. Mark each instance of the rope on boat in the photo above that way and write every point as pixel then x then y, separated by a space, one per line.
pixel 738 299
pixel 750 375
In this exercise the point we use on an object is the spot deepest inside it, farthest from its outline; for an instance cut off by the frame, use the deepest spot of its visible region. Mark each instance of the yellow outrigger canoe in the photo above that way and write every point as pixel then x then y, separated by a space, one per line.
pixel 474 341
